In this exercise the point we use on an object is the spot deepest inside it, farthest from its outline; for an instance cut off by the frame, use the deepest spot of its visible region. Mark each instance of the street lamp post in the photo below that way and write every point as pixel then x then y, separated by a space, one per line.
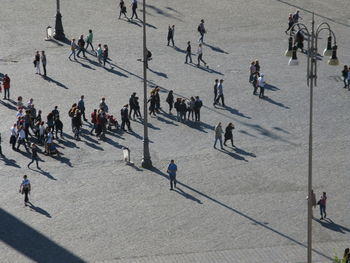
pixel 146 159
pixel 59 33
pixel 311 82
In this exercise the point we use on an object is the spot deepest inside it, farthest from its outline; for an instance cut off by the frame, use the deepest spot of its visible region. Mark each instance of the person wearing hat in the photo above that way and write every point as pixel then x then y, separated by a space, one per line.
pixel 261 85
pixel 35 158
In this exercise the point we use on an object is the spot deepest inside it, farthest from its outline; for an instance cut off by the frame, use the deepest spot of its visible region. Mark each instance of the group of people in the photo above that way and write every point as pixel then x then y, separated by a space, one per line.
pixel 37 59
pixel 257 79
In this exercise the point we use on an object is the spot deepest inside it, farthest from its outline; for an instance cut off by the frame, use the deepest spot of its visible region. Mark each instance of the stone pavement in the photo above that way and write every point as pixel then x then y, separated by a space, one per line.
pixel 243 204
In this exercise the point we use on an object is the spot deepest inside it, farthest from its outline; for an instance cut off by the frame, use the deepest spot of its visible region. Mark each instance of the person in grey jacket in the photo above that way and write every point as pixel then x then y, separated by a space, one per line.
pixel 218 135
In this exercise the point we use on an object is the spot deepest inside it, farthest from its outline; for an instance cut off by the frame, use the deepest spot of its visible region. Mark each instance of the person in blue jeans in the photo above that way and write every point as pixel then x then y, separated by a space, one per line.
pixel 172 169
pixel 322 203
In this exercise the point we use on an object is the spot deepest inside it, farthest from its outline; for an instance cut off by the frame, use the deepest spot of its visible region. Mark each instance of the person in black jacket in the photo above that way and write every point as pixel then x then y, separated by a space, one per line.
pixel 133 8
pixel 157 98
pixel 81 44
pixel 216 89
pixel 125 117
pixel 171 31
pixel 183 110
pixel 58 127
pixel 132 104
pixel 137 108
pixel 177 108
pixel 228 133
pixel 152 101
pixel 197 109
pixel 345 73
pixel 170 100
pixel 122 9
pixel 34 156
pixel 188 52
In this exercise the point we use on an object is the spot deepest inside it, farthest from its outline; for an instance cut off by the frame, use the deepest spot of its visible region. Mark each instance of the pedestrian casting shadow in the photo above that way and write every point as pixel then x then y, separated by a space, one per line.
pixel 271 87
pixel 158 73
pixel 55 82
pixel 39 210
pixel 113 143
pixel 8 105
pixel 133 22
pixel 243 152
pixel 180 50
pixel 232 154
pixel 216 49
pixel 47 174
pixel 68 143
pixel 30 242
pixel 328 223
pixel 112 70
pixel 165 120
pixel 246 133
pixel 150 125
pixel 62 159
pixel 232 110
pixel 209 70
pixel 91 142
pixel 268 99
pixel 83 64
pixel 137 136
pixel 186 195
pixel 9 162
pixel 139 23
pixel 235 211
pixel 281 130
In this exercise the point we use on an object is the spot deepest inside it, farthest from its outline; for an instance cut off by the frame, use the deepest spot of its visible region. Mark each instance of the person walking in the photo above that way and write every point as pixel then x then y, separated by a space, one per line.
pixel 171 32
pixel 172 169
pixel 105 54
pixel 252 70
pixel 228 134
pixel 197 108
pixel 170 100
pixel 200 56
pixel 188 52
pixel 93 121
pixel 81 107
pixel 152 103
pixel 218 135
pixel 21 138
pixel 157 97
pixel 299 40
pixel 134 8
pixel 296 17
pixel 35 157
pixel 89 39
pixel 81 45
pixel 37 62
pixel 322 204
pixel 345 73
pixel 137 111
pixel 261 84
pixel 220 93
pixel 58 127
pixel 99 53
pixel 43 61
pixel 177 108
pixel 132 104
pixel 125 118
pixel 290 22
pixel 6 84
pixel 77 123
pixel 215 90
pixel 103 105
pixel 13 137
pixel 202 31
pixel 73 47
pixel 183 110
pixel 190 108
pixel 122 9
pixel 25 189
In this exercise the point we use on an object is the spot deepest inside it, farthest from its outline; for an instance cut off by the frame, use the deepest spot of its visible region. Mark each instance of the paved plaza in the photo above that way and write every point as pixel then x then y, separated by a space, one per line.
pixel 243 204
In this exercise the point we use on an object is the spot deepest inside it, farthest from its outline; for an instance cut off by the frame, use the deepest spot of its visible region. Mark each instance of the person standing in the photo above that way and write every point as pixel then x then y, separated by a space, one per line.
pixel 89 40
pixel 228 133
pixel 215 90
pixel 188 52
pixel 197 109
pixel 37 62
pixel 25 189
pixel 157 97
pixel 133 8
pixel 81 107
pixel 81 45
pixel 73 47
pixel 345 73
pixel 172 169
pixel 21 138
pixel 261 84
pixel 152 103
pixel 124 112
pixel 93 120
pixel 58 127
pixel 137 108
pixel 171 32
pixel 132 104
pixel 170 100
pixel 43 61
pixel 103 105
pixel 13 137
pixel 200 55
pixel 99 53
pixel 190 108
pixel 252 70
pixel 6 84
pixel 202 31
pixel 183 110
pixel 322 204
pixel 220 93
pixel 218 135
pixel 255 82
pixel 105 54
pixel 177 108
pixel 290 22
pixel 122 9
pixel 34 156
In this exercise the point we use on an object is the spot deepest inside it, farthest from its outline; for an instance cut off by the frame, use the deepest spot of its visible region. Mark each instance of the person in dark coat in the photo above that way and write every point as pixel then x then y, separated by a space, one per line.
pixel 157 97
pixel 137 108
pixel 170 100
pixel 124 113
pixel 228 133
pixel 58 127
pixel 152 106
pixel 81 45
pixel 216 89
pixel 77 123
pixel 188 52
pixel 345 73
pixel 35 157
pixel 177 108
pixel 132 104
pixel 171 31
pixel 197 108
pixel 299 40
pixel 122 9
pixel 183 110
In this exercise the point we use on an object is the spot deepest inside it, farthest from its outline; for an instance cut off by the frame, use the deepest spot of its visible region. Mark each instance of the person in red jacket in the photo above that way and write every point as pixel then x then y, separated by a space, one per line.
pixel 6 85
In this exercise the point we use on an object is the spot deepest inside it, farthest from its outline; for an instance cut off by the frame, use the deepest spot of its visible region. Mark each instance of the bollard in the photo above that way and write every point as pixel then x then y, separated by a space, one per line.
pixel 126 154
pixel 49 33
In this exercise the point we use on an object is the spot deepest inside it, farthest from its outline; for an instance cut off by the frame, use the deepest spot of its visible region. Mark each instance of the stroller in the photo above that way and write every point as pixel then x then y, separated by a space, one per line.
pixel 112 122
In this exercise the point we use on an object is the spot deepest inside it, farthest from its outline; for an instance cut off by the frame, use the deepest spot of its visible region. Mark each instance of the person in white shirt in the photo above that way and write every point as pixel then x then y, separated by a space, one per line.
pixel 21 138
pixel 13 137
pixel 261 85
pixel 200 55
pixel 25 188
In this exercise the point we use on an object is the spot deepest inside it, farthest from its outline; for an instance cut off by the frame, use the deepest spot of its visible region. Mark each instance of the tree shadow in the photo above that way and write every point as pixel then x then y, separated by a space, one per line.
pixel 30 242
pixel 8 105
pixel 39 210
pixel 186 195
pixel 271 87
pixel 55 82
pixel 329 223
pixel 158 73
pixel 216 49
pixel 232 110
pixel 268 99
pixel 251 219
pixel 9 162
pixel 209 70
